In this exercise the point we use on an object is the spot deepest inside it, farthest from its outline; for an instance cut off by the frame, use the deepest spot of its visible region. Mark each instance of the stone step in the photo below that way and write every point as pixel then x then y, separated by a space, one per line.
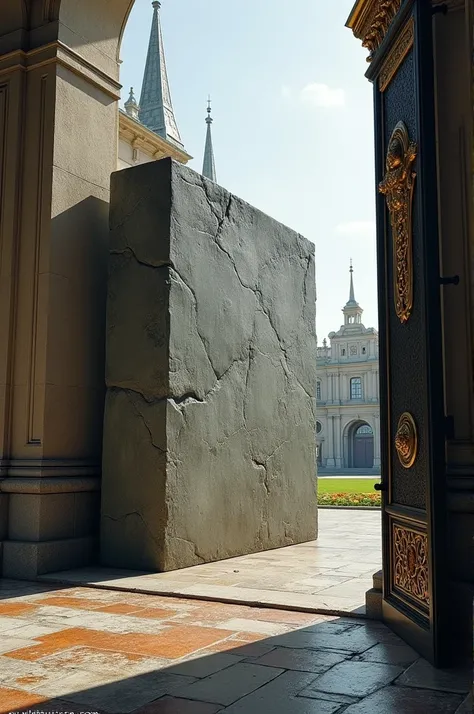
pixel 373 604
pixel 377 580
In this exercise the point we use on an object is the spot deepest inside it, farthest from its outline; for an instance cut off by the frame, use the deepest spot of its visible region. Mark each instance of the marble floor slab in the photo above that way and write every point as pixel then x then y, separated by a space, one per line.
pixel 330 575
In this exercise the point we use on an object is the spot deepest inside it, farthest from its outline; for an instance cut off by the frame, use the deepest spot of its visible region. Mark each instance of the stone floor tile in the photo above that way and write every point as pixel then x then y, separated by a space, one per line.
pixel 326 697
pixel 10 644
pixel 204 665
pixel 250 637
pixel 231 684
pixel 249 650
pixel 32 631
pixel 172 643
pixel 155 613
pixel 402 655
pixel 356 679
pixel 355 641
pixel 77 603
pixel 117 697
pixel 467 706
pixel 107 622
pixel 10 623
pixel 265 628
pixel 280 697
pixel 12 700
pixel 172 705
pixel 301 660
pixel 333 627
pixel 118 608
pixel 421 674
pixel 102 661
pixel 402 700
pixel 14 609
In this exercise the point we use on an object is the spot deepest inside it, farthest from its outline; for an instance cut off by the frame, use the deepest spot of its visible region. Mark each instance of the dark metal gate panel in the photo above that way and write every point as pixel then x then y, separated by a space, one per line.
pixel 411 368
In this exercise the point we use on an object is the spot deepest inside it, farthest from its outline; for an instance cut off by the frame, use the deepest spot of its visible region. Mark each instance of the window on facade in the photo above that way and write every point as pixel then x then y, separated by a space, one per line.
pixel 318 390
pixel 343 351
pixel 356 388
pixel 364 430
pixel 319 427
pixel 363 350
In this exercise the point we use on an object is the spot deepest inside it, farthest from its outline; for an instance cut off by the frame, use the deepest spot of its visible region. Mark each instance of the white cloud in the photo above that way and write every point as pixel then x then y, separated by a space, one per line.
pixel 321 95
pixel 356 229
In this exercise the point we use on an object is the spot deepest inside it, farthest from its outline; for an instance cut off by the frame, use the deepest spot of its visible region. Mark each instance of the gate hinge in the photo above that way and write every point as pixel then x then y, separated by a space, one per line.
pixel 449 426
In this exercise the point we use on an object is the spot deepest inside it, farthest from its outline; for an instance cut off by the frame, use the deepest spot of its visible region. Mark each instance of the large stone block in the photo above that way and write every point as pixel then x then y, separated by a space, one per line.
pixel 209 443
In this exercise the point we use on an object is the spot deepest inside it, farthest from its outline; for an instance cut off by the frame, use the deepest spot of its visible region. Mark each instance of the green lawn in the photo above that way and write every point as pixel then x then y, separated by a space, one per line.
pixel 346 485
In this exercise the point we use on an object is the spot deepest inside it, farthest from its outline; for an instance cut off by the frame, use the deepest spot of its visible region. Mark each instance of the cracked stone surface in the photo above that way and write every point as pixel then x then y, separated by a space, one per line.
pixel 209 448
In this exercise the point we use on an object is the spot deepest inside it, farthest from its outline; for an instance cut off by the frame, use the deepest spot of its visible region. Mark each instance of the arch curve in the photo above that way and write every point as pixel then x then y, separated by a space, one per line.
pixel 359 444
pixel 92 28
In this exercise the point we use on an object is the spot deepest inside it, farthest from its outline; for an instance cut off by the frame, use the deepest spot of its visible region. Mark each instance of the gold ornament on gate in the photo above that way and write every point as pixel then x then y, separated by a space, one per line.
pixel 397 186
pixel 406 440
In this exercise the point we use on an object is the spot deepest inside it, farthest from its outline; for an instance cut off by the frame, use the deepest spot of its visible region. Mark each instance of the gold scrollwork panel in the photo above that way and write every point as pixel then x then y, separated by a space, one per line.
pixel 410 565
pixel 397 186
pixel 397 54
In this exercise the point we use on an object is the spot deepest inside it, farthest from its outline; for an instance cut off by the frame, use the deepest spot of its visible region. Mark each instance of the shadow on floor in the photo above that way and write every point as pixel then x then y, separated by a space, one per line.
pixel 332 666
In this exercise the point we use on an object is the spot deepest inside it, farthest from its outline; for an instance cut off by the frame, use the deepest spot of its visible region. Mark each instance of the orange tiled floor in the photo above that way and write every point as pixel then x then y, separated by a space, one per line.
pixel 80 649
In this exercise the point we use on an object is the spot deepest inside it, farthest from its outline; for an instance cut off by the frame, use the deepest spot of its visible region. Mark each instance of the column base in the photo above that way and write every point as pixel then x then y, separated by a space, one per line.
pixel 24 560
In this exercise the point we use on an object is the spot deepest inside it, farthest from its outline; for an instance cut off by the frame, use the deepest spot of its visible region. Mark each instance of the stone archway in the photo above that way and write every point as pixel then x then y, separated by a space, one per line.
pixel 59 89
pixel 359 445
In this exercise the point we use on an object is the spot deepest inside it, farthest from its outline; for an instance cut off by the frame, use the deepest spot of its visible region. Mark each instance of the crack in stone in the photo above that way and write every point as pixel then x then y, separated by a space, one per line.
pixel 193 546
pixel 181 280
pixel 130 251
pixel 263 464
pixel 138 413
pixel 305 289
pixel 140 517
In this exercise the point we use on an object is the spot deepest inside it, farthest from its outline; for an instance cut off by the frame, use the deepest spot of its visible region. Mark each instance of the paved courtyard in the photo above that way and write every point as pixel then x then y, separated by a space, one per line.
pixel 331 574
pixel 89 650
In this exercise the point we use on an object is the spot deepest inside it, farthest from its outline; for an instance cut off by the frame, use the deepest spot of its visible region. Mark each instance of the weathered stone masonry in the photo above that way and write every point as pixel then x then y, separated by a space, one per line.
pixel 209 445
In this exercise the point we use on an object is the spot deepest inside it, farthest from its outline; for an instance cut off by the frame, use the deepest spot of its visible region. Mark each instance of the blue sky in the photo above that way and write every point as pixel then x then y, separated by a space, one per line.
pixel 293 128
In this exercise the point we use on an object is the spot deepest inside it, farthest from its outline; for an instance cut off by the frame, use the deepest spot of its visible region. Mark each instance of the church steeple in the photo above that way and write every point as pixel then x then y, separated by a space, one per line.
pixel 352 310
pixel 209 166
pixel 156 108
pixel 351 288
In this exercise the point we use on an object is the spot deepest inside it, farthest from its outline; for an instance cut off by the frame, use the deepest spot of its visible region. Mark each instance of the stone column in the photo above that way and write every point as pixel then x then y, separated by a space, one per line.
pixel 58 146
pixel 330 463
pixel 338 441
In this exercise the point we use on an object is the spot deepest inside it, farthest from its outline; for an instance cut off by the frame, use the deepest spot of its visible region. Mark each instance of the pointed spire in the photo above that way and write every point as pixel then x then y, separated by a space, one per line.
pixel 352 310
pixel 156 108
pixel 209 166
pixel 131 106
pixel 351 289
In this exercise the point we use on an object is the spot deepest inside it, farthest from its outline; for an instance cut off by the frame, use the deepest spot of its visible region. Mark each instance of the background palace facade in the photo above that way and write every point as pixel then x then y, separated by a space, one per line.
pixel 348 415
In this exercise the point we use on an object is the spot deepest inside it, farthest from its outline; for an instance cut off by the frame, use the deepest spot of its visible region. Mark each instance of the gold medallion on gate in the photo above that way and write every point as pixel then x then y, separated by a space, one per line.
pixel 406 440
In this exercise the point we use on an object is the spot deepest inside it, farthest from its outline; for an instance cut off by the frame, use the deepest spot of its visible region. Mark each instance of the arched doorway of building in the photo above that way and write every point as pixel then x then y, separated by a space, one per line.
pixel 360 446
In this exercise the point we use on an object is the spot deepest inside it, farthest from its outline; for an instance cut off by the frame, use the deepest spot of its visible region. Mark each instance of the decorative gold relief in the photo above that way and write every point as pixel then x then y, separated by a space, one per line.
pixel 370 20
pixel 397 186
pixel 406 440
pixel 410 563
pixel 399 51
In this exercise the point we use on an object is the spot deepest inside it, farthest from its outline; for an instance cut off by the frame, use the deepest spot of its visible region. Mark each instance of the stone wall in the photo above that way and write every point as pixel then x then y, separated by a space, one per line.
pixel 209 443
